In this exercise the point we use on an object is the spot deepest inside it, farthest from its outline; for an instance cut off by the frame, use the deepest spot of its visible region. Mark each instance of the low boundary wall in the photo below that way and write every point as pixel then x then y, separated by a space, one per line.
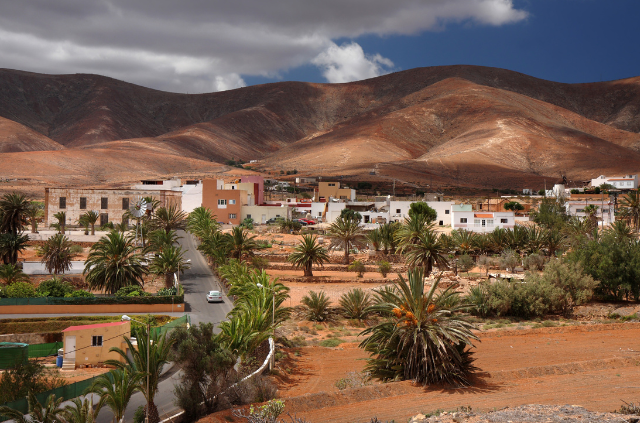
pixel 91 308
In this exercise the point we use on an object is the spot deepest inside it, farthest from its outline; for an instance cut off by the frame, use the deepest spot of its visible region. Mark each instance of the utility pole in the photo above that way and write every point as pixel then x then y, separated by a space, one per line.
pixel 394 189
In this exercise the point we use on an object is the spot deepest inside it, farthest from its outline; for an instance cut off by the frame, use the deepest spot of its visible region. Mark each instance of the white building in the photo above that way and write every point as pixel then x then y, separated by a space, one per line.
pixel 620 182
pixel 260 214
pixel 399 211
pixel 464 217
pixel 605 212
pixel 191 190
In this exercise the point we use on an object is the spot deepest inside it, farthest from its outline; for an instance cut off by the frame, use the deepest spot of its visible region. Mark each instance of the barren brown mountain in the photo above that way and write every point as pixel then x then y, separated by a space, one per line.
pixel 458 125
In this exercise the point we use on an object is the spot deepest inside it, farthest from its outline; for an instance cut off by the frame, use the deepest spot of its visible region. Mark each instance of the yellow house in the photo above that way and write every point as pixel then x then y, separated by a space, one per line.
pixel 90 344
pixel 327 190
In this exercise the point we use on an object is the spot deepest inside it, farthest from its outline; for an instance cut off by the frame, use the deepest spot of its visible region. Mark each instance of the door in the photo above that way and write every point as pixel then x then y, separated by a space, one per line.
pixel 264 219
pixel 484 223
pixel 70 348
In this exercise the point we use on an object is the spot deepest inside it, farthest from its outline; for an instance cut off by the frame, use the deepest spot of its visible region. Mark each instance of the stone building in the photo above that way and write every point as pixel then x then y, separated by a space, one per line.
pixel 110 203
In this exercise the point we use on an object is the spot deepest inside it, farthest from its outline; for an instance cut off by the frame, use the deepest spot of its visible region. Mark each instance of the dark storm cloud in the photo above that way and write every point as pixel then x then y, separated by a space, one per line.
pixel 201 46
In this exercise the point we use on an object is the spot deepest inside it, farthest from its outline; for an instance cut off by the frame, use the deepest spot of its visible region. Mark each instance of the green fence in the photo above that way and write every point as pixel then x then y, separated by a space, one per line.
pixel 44 350
pixel 179 322
pixel 166 299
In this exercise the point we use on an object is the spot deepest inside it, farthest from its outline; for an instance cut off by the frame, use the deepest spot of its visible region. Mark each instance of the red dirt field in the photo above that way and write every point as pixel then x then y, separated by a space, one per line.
pixel 592 365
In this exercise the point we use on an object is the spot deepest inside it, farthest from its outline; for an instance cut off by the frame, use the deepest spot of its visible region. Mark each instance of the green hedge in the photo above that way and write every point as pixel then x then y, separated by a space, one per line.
pixel 173 299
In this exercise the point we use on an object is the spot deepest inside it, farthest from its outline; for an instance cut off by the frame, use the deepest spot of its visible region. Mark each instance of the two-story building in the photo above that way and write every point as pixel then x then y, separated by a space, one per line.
pixel 464 217
pixel 625 182
pixel 327 190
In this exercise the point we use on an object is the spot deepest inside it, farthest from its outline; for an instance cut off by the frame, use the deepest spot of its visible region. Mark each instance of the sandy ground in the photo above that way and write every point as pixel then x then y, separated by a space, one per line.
pixel 595 366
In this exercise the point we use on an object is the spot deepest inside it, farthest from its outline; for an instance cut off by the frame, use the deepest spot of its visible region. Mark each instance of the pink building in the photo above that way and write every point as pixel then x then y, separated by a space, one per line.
pixel 258 187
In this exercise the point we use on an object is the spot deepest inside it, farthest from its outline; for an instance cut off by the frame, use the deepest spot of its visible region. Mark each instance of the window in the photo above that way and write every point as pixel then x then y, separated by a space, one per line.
pixel 232 215
pixel 489 222
pixel 231 202
pixel 83 203
pixel 503 221
pixel 579 210
pixel 96 341
pixel 63 202
pixel 222 204
pixel 398 211
pixel 463 220
pixel 104 203
pixel 332 185
pixel 248 216
pixel 441 223
pixel 447 211
pixel 104 219
pixel 125 204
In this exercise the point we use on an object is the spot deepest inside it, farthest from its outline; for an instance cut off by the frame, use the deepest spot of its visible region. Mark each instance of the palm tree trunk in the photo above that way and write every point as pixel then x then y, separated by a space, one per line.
pixel 346 253
pixel 168 279
pixel 93 229
pixel 307 270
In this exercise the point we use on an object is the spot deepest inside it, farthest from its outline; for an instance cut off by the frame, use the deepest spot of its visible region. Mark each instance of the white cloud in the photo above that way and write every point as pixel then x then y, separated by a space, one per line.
pixel 348 63
pixel 198 46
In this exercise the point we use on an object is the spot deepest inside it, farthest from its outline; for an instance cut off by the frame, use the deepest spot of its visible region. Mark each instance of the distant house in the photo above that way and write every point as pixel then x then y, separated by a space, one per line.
pixel 625 182
pixel 327 190
pixel 464 217
pixel 90 344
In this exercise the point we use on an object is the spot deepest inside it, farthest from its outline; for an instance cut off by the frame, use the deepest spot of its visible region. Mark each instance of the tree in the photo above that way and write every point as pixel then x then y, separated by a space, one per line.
pixel 113 262
pixel 167 262
pixel 465 263
pixel 206 366
pixel 426 252
pixel 307 253
pixel 215 247
pixel 116 387
pixel 409 232
pixel 375 239
pixel 56 254
pixel 551 214
pixel 134 362
pixel 80 411
pixel 14 210
pixel 168 218
pixel 18 381
pixel 513 206
pixel 54 288
pixel 11 245
pixel 356 304
pixel 420 208
pixel 426 338
pixel 591 213
pixel 240 244
pixel 35 212
pixel 161 239
pixel 61 217
pixel 348 214
pixel 630 205
pixel 388 234
pixel 345 234
pixel 49 412
pixel 316 306
pixel 10 273
pixel 202 223
pixel 464 240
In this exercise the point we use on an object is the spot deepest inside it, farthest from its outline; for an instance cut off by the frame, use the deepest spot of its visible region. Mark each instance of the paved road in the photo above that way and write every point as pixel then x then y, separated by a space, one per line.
pixel 197 281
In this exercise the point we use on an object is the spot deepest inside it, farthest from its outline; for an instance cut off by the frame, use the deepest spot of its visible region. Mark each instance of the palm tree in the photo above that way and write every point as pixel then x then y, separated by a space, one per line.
pixel 591 213
pixel 116 388
pixel 345 233
pixel 34 214
pixel 375 239
pixel 168 218
pixel 91 217
pixel 425 340
pixel 464 240
pixel 388 234
pixel 249 327
pixel 167 262
pixel 240 244
pixel 409 232
pixel 62 221
pixel 11 245
pixel 427 252
pixel 134 362
pixel 620 230
pixel 10 273
pixel 307 253
pixel 257 289
pixel 49 412
pixel 56 254
pixel 499 239
pixel 537 238
pixel 114 262
pixel 81 411
pixel 554 241
pixel 202 223
pixel 160 239
pixel 14 209
pixel 630 204
pixel 215 247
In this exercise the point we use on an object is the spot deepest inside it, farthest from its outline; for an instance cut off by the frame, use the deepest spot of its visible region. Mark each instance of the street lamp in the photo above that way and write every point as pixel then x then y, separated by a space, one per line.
pixel 127 318
pixel 272 363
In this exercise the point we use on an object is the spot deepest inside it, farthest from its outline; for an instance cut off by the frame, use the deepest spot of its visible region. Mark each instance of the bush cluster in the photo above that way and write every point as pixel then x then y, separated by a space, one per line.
pixel 560 288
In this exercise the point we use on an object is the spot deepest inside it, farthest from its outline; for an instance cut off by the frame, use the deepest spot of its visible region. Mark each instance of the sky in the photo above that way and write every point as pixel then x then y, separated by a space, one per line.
pixel 195 46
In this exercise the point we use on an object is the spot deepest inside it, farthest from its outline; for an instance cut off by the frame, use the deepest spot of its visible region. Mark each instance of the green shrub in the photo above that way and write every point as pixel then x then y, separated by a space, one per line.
pixel 465 263
pixel 331 343
pixel 358 267
pixel 76 249
pixel 21 290
pixel 167 291
pixel 384 268
pixel 478 299
pixel 131 291
pixel 247 223
pixel 139 415
pixel 54 287
pixel 356 304
pixel 534 262
pixel 316 306
pixel 79 293
pixel 509 260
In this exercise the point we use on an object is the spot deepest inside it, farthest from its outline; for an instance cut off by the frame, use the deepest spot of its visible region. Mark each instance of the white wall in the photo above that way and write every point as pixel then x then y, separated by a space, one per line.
pixel 191 197
pixel 475 220
pixel 260 214
pixel 442 208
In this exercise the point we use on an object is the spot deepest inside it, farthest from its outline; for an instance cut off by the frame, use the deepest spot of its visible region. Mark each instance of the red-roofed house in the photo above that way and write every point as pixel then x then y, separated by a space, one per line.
pixel 90 344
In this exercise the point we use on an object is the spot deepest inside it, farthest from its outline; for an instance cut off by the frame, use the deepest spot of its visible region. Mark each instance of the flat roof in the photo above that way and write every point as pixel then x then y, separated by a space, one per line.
pixel 98 325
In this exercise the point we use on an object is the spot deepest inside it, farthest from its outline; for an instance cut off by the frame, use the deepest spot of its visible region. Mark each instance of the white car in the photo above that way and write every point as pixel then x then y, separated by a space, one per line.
pixel 214 296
